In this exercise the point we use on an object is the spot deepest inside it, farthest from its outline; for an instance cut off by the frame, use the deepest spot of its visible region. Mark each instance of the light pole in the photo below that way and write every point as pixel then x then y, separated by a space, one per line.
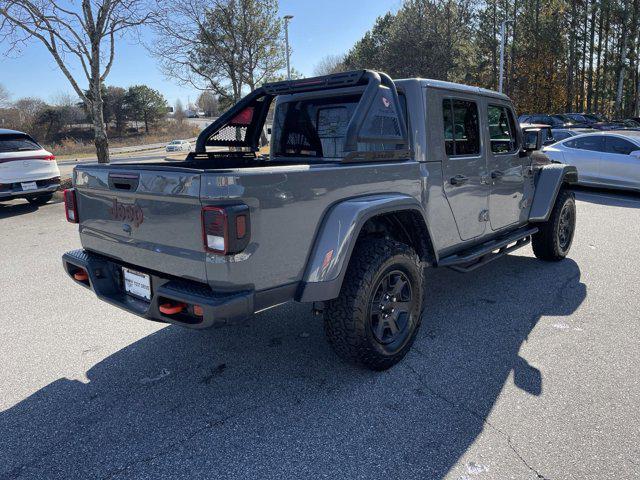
pixel 287 19
pixel 503 29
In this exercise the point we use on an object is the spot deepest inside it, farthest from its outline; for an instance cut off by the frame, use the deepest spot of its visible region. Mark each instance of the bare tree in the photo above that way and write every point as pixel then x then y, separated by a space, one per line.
pixel 220 45
pixel 178 112
pixel 84 31
pixel 4 96
pixel 329 64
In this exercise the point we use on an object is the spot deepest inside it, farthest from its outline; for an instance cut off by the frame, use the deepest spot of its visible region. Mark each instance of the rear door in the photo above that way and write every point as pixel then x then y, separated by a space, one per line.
pixel 617 166
pixel 464 163
pixel 506 166
pixel 149 217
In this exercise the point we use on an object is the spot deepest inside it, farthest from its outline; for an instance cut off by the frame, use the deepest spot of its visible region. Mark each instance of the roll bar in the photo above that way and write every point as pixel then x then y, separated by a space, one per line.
pixel 379 99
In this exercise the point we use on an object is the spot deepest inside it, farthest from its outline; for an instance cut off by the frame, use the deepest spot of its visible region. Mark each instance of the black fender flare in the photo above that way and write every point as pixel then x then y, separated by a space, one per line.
pixel 549 180
pixel 336 239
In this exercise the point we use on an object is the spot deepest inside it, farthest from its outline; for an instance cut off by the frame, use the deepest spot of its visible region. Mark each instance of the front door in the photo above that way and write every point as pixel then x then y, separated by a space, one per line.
pixel 464 165
pixel 618 167
pixel 506 167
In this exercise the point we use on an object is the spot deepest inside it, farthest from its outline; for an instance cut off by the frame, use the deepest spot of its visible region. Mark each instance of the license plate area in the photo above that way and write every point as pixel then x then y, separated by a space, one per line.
pixel 136 284
pixel 26 186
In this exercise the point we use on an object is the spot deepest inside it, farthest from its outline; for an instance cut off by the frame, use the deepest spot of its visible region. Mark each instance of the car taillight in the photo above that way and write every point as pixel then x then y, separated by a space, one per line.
pixel 70 205
pixel 226 230
pixel 50 157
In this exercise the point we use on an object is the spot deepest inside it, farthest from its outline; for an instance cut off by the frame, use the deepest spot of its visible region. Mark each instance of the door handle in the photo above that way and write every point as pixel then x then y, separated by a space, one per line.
pixel 458 180
pixel 497 174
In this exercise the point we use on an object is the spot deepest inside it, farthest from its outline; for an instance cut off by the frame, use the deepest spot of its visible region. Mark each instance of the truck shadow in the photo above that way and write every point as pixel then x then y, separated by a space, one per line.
pixel 271 400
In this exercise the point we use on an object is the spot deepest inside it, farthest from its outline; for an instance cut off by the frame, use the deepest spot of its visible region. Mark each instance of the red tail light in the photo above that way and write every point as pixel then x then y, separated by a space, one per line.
pixel 70 205
pixel 50 158
pixel 226 230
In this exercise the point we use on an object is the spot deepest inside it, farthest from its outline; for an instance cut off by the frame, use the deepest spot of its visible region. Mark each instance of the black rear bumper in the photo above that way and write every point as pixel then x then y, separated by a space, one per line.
pixel 105 279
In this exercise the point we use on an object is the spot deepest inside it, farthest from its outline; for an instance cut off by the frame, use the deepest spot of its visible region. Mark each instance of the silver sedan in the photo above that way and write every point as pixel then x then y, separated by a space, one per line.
pixel 604 159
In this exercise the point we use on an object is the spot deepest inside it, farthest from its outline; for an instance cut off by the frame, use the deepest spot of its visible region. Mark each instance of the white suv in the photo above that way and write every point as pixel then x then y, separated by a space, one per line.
pixel 26 169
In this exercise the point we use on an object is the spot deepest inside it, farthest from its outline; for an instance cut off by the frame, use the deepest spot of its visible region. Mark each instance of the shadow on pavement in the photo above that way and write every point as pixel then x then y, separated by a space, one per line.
pixel 271 400
pixel 8 210
pixel 608 197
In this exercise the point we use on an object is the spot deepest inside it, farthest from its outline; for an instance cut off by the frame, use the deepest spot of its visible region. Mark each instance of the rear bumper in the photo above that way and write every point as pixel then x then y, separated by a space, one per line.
pixel 105 279
pixel 45 186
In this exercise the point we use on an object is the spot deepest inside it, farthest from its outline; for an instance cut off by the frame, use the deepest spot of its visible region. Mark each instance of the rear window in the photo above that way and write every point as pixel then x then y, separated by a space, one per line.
pixel 312 128
pixel 17 143
pixel 317 127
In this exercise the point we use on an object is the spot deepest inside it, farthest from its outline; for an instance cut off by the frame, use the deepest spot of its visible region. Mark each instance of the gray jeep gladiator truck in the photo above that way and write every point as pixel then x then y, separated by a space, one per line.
pixel 367 182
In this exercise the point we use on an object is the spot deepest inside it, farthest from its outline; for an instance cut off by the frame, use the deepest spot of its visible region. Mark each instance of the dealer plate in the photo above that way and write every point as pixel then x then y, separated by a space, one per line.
pixel 29 186
pixel 137 284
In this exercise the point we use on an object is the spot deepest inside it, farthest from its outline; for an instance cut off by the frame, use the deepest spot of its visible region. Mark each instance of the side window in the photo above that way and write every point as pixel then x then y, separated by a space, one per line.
pixel 461 127
pixel 619 146
pixel 502 130
pixel 559 136
pixel 592 143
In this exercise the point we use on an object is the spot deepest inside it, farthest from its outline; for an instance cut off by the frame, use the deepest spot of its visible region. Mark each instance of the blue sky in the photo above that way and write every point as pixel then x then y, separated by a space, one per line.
pixel 318 29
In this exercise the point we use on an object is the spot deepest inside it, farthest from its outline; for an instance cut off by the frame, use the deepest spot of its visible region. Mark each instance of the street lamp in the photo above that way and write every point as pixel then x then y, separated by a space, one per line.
pixel 503 29
pixel 287 19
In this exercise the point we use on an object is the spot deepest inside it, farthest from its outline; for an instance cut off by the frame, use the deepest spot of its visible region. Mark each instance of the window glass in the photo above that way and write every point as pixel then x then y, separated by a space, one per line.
pixel 593 143
pixel 559 136
pixel 619 146
pixel 461 128
pixel 17 143
pixel 502 130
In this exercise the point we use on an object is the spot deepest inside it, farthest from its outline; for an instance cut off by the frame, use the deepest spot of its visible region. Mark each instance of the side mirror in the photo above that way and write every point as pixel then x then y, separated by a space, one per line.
pixel 635 154
pixel 532 139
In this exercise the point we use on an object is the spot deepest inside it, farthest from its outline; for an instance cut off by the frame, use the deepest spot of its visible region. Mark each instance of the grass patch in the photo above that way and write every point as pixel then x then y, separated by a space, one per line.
pixel 72 147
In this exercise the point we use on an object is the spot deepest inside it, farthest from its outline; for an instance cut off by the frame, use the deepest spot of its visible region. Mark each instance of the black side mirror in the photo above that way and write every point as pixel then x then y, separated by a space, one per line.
pixel 532 139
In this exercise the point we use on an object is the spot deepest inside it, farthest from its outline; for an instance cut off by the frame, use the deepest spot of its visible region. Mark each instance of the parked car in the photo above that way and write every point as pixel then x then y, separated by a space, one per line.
pixel 345 212
pixel 554 121
pixel 560 134
pixel 603 159
pixel 26 169
pixel 178 146
pixel 591 120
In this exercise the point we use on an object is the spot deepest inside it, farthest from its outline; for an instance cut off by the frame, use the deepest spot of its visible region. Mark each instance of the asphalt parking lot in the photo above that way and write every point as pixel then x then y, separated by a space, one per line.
pixel 522 370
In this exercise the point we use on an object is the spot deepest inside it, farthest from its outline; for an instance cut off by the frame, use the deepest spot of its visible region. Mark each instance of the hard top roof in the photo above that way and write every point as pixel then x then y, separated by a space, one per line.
pixel 456 87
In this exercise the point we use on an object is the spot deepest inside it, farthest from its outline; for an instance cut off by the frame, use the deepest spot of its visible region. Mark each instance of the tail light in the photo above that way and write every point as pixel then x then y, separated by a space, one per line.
pixel 71 205
pixel 50 158
pixel 226 230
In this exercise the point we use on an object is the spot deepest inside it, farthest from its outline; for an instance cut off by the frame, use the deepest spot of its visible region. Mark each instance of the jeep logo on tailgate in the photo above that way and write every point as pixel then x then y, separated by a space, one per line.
pixel 126 213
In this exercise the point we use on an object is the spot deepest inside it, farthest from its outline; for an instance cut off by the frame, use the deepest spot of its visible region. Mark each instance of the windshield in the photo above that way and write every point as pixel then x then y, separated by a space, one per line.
pixel 175 142
pixel 17 143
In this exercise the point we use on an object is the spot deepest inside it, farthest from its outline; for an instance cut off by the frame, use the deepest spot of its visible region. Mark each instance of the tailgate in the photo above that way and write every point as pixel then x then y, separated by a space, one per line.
pixel 148 218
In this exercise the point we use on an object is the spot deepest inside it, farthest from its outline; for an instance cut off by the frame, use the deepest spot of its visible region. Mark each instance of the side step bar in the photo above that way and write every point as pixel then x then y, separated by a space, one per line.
pixel 468 260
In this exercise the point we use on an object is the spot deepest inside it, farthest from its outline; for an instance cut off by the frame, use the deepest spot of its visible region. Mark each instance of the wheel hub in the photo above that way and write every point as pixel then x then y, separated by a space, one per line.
pixel 565 227
pixel 391 307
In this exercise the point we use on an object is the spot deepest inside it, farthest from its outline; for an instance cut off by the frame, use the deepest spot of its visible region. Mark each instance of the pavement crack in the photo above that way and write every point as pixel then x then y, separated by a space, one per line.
pixel 476 415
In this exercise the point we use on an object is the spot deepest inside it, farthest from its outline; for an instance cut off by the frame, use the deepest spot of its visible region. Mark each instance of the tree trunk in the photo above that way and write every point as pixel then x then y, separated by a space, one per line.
pixel 99 128
pixel 623 55
pixel 591 51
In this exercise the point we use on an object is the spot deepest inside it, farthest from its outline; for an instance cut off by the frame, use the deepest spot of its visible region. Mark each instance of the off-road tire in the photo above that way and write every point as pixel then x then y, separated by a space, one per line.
pixel 40 199
pixel 349 319
pixel 548 243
